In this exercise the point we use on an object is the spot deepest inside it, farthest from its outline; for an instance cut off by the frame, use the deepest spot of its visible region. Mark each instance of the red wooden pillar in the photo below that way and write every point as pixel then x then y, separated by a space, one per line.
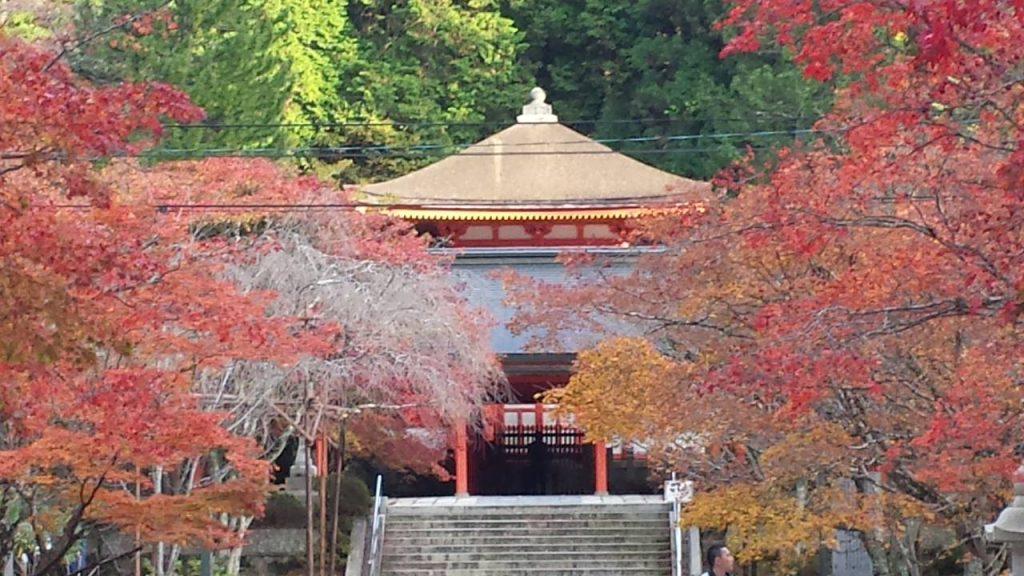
pixel 461 460
pixel 600 469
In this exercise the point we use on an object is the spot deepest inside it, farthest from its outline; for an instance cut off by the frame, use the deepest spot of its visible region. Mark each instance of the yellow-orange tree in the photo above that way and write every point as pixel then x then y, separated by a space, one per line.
pixel 847 319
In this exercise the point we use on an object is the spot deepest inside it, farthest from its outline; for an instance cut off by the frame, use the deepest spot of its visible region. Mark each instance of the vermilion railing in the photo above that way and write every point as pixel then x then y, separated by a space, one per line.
pixel 558 440
pixel 514 426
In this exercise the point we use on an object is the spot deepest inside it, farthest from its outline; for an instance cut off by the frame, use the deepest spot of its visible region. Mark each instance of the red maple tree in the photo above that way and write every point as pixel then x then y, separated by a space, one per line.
pixel 860 296
pixel 106 310
pixel 143 317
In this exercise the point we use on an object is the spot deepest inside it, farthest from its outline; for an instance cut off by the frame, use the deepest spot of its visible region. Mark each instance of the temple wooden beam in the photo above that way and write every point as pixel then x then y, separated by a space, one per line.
pixel 461 459
pixel 601 469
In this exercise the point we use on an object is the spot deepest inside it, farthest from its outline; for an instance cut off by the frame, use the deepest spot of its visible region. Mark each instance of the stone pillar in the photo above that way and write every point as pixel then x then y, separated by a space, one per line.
pixel 299 467
pixel 296 481
pixel 600 469
pixel 461 459
pixel 694 551
pixel 1009 527
pixel 1016 559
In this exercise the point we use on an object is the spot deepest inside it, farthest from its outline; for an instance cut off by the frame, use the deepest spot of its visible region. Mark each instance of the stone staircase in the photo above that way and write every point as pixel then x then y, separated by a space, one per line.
pixel 529 536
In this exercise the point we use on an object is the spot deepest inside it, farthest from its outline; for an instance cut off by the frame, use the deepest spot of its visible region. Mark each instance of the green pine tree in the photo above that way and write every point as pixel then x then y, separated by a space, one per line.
pixel 650 68
pixel 217 51
pixel 444 66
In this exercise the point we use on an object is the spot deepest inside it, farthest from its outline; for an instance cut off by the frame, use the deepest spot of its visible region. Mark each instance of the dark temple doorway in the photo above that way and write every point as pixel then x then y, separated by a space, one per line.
pixel 524 459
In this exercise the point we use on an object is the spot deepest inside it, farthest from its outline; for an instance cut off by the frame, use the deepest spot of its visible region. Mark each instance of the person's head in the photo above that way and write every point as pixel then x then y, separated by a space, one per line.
pixel 719 558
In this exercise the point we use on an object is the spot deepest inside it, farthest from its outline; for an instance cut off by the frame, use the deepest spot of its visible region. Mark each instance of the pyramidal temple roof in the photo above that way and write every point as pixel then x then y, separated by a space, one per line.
pixel 536 162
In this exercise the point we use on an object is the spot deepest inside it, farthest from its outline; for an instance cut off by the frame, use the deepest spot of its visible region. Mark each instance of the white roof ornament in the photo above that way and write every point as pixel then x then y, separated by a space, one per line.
pixel 537 111
pixel 538 161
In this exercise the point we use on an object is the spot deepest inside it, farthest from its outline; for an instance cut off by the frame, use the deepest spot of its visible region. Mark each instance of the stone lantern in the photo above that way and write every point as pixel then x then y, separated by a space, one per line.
pixel 296 481
pixel 1009 527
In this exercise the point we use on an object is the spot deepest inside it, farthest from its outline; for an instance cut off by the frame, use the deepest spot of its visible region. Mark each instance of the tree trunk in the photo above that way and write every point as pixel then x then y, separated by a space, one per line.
pixel 996 562
pixel 877 551
pixel 323 505
pixel 235 558
pixel 910 565
pixel 158 550
pixel 138 533
pixel 172 560
pixel 339 468
pixel 310 565
pixel 187 485
pixel 875 539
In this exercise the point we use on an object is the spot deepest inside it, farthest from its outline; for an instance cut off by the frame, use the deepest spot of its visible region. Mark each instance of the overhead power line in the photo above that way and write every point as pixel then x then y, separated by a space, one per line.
pixel 330 153
pixel 342 153
pixel 478 149
pixel 417 123
pixel 581 142
pixel 499 148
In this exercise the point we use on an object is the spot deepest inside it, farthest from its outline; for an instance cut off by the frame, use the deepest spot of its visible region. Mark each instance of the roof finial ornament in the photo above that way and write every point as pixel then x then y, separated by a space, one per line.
pixel 537 111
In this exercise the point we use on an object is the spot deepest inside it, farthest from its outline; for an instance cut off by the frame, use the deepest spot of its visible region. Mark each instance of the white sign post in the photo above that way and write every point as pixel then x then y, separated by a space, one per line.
pixel 680 492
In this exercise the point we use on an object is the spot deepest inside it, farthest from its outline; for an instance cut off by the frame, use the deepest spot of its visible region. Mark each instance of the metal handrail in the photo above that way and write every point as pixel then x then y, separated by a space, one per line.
pixel 373 558
pixel 677 495
pixel 676 537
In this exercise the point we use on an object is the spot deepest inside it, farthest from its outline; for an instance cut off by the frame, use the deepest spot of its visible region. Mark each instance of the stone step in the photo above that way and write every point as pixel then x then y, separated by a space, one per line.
pixel 608 539
pixel 456 511
pixel 525 534
pixel 502 566
pixel 475 554
pixel 549 522
pixel 631 571
pixel 535 548
pixel 493 569
pixel 415 547
pixel 512 538
pixel 549 510
pixel 531 519
pixel 538 538
pixel 655 520
pixel 600 532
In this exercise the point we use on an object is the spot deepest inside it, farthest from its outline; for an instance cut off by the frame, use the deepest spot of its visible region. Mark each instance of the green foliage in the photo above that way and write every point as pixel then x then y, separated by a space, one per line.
pixel 313 36
pixel 283 510
pixel 216 51
pixel 355 496
pixel 658 60
pixel 437 61
pixel 25 25
pixel 355 501
pixel 187 567
pixel 313 62
pixel 452 64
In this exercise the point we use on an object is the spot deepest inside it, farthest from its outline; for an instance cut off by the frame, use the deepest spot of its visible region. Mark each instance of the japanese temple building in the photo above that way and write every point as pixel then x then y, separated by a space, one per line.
pixel 518 200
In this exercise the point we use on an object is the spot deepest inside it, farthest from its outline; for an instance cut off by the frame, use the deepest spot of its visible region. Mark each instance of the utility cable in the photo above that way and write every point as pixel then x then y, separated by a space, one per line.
pixel 417 123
